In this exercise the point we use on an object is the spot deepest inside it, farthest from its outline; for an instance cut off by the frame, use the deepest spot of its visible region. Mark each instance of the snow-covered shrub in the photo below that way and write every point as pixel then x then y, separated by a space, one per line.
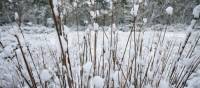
pixel 102 58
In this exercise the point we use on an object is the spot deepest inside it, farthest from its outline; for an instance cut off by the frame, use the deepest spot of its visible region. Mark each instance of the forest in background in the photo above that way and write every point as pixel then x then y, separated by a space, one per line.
pixel 77 12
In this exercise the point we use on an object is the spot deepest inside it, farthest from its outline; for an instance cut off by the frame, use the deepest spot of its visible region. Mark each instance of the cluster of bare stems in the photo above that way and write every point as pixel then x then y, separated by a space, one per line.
pixel 161 62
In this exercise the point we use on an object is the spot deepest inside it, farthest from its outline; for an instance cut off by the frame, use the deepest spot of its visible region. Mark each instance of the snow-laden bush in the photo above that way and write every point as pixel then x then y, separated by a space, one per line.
pixel 99 58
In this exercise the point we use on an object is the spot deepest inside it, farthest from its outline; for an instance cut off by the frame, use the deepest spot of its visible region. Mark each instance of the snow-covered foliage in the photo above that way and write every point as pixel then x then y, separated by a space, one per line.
pixel 102 55
pixel 144 20
pixel 114 27
pixel 169 10
pixel 96 26
pixel 16 16
pixel 56 3
pixel 134 10
pixel 140 1
pixel 74 4
pixel 43 43
pixel 196 11
pixel 110 3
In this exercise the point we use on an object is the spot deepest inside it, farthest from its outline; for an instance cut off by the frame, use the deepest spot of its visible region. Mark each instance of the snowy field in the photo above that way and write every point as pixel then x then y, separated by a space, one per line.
pixel 156 53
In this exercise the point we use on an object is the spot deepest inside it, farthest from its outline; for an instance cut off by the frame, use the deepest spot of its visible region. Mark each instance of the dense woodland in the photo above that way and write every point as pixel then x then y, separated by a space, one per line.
pixel 78 11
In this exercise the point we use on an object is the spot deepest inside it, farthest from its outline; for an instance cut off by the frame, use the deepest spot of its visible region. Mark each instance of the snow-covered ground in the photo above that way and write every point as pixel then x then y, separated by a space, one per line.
pixel 45 49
